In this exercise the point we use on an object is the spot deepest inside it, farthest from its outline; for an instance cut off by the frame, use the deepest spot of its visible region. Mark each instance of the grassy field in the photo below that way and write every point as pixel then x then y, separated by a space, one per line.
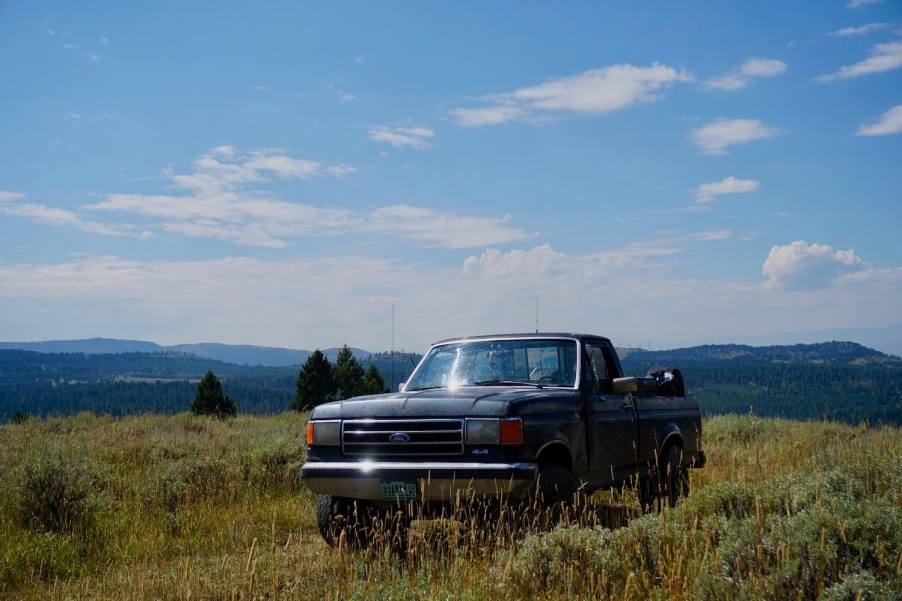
pixel 189 508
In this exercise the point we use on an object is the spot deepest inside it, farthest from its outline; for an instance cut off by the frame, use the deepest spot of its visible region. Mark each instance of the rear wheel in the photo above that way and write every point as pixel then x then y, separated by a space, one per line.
pixel 668 484
pixel 675 477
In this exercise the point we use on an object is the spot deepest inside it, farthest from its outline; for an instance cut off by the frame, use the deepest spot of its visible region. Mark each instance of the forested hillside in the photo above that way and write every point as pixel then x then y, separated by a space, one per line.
pixel 837 380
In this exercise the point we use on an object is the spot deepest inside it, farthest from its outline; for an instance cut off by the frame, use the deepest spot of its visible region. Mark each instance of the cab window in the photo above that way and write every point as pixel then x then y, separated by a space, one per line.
pixel 601 367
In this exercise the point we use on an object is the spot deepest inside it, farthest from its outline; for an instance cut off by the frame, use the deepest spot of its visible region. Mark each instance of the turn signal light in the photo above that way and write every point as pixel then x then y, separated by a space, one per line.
pixel 512 431
pixel 309 433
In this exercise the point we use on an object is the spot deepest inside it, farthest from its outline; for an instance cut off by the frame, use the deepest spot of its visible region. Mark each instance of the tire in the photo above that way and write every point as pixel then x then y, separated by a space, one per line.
pixel 667 485
pixel 337 514
pixel 674 477
pixel 556 485
pixel 362 522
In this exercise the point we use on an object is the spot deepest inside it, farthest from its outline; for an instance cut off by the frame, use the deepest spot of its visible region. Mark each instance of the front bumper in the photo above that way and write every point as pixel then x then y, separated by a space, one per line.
pixel 436 481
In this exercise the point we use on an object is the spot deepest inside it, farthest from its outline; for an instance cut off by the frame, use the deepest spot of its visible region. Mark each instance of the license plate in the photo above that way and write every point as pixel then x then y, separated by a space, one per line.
pixel 399 490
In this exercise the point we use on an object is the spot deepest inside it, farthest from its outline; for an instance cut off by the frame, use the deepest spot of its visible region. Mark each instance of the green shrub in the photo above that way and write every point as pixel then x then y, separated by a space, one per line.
pixel 860 586
pixel 56 496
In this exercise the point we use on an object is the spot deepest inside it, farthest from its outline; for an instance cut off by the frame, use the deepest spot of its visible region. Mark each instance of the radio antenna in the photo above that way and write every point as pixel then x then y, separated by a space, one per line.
pixel 393 347
pixel 537 314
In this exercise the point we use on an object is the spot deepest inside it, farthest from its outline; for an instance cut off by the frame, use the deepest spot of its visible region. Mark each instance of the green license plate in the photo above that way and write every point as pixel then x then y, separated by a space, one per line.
pixel 398 490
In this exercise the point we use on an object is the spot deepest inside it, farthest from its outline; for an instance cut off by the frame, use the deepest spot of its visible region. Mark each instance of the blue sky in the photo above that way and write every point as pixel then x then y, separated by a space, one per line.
pixel 283 173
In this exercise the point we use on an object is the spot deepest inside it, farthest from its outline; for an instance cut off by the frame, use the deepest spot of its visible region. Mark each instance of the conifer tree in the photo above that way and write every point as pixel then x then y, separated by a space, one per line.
pixel 373 383
pixel 316 383
pixel 210 400
pixel 348 375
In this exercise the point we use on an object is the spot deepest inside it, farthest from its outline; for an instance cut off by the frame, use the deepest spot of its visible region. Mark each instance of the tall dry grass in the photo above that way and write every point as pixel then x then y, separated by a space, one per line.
pixel 183 507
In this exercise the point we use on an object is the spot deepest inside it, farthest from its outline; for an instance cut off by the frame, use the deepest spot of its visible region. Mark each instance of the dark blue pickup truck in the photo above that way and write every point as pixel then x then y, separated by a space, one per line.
pixel 540 416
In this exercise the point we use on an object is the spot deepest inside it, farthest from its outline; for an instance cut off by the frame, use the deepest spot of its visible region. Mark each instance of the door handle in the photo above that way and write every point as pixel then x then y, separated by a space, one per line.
pixel 625 405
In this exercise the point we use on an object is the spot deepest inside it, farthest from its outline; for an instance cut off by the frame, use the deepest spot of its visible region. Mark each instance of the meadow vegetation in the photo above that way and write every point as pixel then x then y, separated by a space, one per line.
pixel 179 507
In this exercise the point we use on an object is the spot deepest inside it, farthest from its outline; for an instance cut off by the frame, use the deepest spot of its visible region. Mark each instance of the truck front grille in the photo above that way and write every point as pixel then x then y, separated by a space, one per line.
pixel 382 437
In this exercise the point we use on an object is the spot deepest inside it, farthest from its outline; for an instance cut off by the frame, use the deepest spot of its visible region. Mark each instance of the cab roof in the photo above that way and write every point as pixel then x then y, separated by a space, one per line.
pixel 524 335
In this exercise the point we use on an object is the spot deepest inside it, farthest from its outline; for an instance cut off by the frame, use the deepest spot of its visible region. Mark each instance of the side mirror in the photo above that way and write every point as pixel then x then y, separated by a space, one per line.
pixel 402 386
pixel 624 385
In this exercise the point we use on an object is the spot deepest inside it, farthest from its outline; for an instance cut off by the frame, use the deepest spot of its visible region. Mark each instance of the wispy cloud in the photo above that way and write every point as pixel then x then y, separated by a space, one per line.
pixel 224 203
pixel 487 115
pixel 884 57
pixel 405 136
pixel 435 228
pixel 740 77
pixel 860 29
pixel 708 193
pixel 12 205
pixel 889 122
pixel 717 136
pixel 342 95
pixel 861 3
pixel 103 40
pixel 595 91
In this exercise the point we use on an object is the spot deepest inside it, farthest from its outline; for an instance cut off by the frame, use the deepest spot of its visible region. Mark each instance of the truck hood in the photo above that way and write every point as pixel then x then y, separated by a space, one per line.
pixel 470 401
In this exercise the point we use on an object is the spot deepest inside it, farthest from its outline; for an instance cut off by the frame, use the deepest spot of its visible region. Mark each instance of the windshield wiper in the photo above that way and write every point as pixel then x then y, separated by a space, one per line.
pixel 507 383
pixel 424 388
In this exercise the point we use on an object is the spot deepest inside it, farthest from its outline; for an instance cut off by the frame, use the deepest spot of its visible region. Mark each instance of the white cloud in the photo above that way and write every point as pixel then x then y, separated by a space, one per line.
pixel 889 122
pixel 709 192
pixel 103 40
pixel 595 91
pixel 11 206
pixel 402 136
pixel 712 235
pixel 220 206
pixel 860 29
pixel 884 57
pixel 544 261
pixel 262 88
pixel 229 170
pixel 447 230
pixel 489 115
pixel 715 137
pixel 762 67
pixel 803 266
pixel 859 3
pixel 728 82
pixel 741 76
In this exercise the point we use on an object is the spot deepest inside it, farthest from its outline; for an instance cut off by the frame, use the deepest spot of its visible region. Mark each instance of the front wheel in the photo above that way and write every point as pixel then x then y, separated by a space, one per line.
pixel 362 523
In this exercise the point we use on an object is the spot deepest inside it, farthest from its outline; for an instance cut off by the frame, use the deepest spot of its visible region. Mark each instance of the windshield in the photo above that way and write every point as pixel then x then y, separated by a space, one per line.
pixel 530 362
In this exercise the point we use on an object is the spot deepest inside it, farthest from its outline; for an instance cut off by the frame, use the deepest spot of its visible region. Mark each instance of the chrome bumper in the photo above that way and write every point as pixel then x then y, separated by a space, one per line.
pixel 436 481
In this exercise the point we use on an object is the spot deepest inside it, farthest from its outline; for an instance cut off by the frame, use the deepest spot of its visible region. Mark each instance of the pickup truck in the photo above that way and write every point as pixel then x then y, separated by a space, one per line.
pixel 516 416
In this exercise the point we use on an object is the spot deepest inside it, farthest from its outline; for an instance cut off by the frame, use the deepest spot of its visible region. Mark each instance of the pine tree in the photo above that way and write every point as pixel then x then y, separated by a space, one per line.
pixel 210 399
pixel 348 375
pixel 316 383
pixel 373 383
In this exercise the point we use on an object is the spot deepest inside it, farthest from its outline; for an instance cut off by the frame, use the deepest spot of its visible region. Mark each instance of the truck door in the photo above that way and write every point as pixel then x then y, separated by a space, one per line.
pixel 612 427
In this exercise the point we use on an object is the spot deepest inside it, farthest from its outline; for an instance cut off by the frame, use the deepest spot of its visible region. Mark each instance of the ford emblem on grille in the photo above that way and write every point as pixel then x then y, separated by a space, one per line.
pixel 399 437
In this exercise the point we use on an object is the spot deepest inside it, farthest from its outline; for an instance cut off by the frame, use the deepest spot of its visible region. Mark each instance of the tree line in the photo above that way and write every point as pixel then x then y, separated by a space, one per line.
pixel 319 381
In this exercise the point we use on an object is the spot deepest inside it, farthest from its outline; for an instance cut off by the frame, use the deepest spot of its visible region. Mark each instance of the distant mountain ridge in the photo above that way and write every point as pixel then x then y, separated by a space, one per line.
pixel 837 353
pixel 238 354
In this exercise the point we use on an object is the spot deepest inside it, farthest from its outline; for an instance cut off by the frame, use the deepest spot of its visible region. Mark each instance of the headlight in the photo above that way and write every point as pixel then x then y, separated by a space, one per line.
pixel 482 431
pixel 324 433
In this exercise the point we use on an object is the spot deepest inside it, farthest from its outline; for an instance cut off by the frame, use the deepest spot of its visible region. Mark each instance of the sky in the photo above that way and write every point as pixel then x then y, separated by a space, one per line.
pixel 284 173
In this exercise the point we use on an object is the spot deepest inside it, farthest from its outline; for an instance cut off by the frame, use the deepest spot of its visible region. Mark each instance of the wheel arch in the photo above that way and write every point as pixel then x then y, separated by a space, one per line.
pixel 556 452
